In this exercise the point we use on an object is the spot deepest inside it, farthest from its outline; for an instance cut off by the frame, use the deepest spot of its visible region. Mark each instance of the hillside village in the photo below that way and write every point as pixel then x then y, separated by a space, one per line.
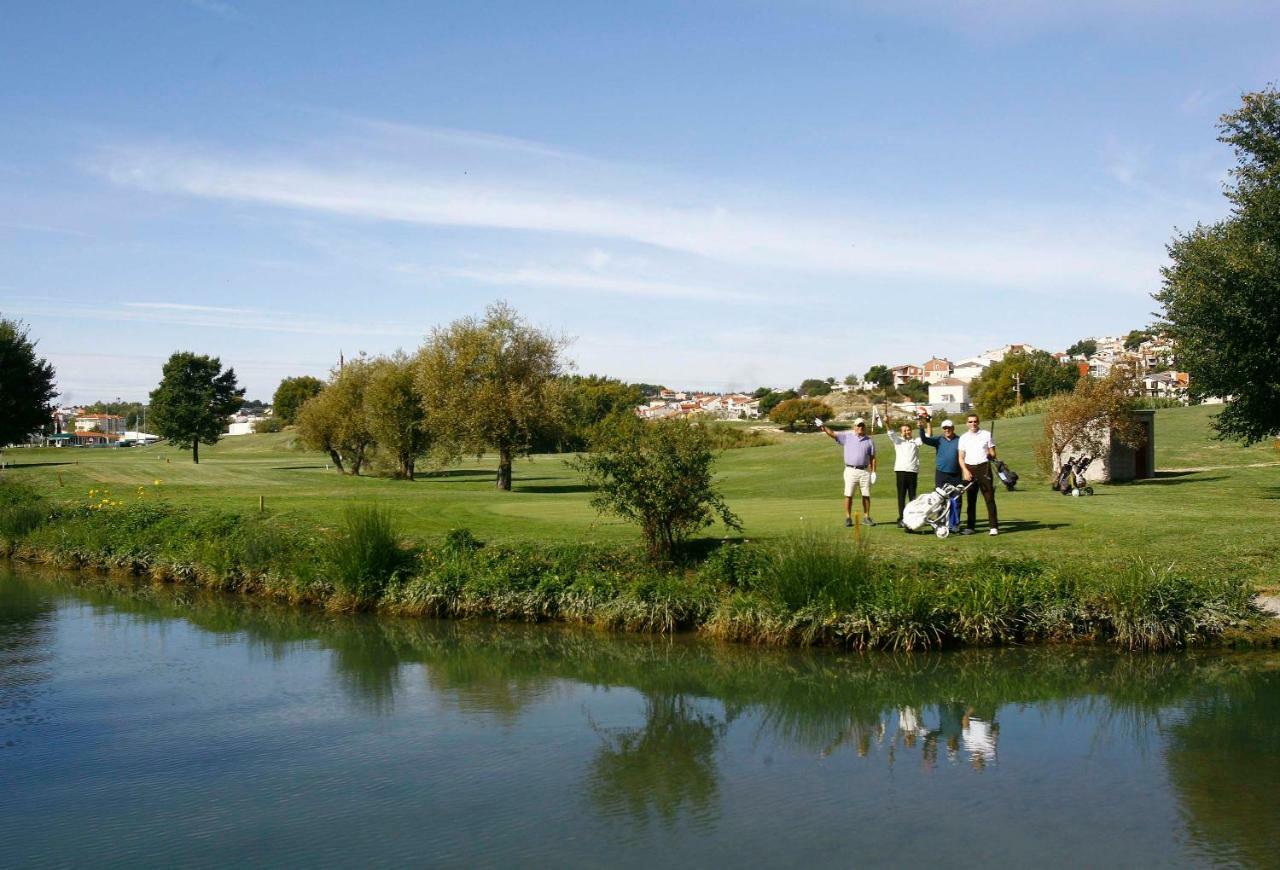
pixel 947 383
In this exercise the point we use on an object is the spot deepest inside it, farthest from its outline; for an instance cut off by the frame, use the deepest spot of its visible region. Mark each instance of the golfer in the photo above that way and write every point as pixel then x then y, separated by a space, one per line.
pixel 906 465
pixel 947 466
pixel 977 449
pixel 859 467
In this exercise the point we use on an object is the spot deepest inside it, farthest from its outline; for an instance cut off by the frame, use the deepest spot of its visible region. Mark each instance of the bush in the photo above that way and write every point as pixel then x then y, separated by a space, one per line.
pixel 657 475
pixel 365 556
pixel 268 424
pixel 800 412
pixel 461 541
pixel 808 569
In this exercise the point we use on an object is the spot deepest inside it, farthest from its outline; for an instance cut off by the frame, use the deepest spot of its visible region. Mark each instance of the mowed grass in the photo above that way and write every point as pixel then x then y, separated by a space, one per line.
pixel 1213 506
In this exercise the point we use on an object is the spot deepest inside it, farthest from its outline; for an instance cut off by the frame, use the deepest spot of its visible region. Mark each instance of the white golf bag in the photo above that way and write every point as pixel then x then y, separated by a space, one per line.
pixel 931 509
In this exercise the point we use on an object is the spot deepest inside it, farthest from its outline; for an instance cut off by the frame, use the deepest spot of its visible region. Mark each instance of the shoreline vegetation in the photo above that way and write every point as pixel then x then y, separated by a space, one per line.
pixel 805 588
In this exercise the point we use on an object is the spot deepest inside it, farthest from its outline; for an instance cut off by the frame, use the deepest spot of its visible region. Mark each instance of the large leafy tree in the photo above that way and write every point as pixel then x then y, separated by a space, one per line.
pixel 1085 347
pixel 1084 419
pixel 193 401
pixel 1220 290
pixel 492 383
pixel 589 401
pixel 1038 372
pixel 659 476
pixel 335 420
pixel 394 415
pixel 26 385
pixel 292 394
pixel 800 412
pixel 814 387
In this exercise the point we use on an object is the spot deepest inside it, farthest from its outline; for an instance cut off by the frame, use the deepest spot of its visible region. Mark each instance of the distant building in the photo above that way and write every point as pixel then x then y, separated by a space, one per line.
pixel 906 372
pixel 969 370
pixel 949 392
pixel 108 424
pixel 937 369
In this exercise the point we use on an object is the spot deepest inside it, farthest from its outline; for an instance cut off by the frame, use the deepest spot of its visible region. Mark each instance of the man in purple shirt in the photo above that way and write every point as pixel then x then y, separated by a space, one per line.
pixel 859 467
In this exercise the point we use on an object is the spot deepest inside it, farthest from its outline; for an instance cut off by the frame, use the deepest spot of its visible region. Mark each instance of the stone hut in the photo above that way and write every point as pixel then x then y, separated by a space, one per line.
pixel 1122 463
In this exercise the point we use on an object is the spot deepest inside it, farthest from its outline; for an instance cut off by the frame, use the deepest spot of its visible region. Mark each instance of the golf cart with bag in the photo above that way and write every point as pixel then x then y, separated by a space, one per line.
pixel 1071 479
pixel 932 509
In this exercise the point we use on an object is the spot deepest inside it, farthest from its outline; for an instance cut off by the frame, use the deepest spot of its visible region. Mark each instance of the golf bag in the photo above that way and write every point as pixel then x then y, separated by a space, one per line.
pixel 1071 479
pixel 933 510
pixel 1007 475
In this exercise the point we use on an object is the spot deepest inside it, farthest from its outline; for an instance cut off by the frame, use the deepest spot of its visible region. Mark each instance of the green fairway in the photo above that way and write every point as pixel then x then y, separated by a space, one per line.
pixel 1212 504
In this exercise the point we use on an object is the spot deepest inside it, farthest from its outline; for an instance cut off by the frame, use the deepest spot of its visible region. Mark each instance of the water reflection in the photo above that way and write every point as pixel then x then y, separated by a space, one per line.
pixel 1215 718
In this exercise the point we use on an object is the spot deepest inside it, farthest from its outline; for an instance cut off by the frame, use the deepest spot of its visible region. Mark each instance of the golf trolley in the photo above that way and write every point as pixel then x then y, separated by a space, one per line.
pixel 1071 479
pixel 932 509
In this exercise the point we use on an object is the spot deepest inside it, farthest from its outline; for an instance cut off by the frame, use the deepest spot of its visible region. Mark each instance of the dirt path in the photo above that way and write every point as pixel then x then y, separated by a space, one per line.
pixel 1219 467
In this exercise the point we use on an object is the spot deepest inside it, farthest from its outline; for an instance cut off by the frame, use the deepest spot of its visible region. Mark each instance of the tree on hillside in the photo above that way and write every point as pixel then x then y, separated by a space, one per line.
pixel 1219 292
pixel 1084 419
pixel 880 375
pixel 852 380
pixel 491 384
pixel 800 412
pixel 292 394
pixel 658 475
pixel 915 390
pixel 27 390
pixel 193 401
pixel 814 387
pixel 394 414
pixel 1085 347
pixel 1136 337
pixel 1039 373
pixel 335 421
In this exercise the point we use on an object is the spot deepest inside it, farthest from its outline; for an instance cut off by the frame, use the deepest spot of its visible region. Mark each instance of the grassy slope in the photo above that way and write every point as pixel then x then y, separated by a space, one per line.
pixel 1224 516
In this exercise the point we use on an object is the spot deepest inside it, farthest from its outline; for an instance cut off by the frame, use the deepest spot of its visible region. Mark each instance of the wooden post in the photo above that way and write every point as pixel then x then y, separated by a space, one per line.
pixel 857 526
pixel 262 503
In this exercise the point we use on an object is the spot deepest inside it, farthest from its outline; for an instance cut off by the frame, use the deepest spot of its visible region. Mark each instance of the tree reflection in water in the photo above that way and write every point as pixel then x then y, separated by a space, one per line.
pixel 665 767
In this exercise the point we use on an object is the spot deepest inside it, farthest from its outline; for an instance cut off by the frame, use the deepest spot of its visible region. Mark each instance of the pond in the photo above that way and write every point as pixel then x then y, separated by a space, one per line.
pixel 145 726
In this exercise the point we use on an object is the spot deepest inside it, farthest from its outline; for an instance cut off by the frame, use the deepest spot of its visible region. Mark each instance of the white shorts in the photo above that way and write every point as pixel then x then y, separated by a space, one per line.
pixel 858 477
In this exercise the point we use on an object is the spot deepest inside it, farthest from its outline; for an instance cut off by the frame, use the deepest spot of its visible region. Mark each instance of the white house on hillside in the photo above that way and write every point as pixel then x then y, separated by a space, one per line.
pixel 949 391
pixel 937 369
pixel 968 370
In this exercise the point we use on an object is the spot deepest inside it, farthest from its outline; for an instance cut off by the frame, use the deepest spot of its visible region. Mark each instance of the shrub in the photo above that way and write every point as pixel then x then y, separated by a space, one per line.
pixel 365 555
pixel 657 475
pixel 268 424
pixel 808 569
pixel 800 412
pixel 459 542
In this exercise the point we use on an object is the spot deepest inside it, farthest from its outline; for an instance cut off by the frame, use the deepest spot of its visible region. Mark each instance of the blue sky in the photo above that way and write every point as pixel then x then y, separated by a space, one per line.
pixel 713 194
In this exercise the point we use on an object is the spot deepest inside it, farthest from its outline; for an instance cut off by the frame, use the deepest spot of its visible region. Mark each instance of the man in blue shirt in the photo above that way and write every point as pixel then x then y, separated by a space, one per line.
pixel 947 466
pixel 859 467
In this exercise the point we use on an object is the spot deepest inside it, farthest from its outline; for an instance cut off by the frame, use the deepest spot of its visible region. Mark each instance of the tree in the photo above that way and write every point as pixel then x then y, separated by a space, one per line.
pixel 801 412
pixel 1136 337
pixel 852 380
pixel 193 401
pixel 1084 419
pixel 335 420
pixel 880 375
pixel 393 413
pixel 291 394
pixel 1039 374
pixel 1219 291
pixel 659 476
pixel 1085 347
pixel 814 387
pixel 27 390
pixel 492 384
pixel 915 390
pixel 772 399
pixel 588 402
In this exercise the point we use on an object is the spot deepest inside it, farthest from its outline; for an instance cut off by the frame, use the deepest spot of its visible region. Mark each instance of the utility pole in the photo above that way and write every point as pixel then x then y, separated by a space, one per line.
pixel 1017 387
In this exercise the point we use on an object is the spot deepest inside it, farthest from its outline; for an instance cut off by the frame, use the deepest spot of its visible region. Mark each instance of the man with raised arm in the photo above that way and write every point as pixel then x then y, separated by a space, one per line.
pixel 859 467
pixel 947 465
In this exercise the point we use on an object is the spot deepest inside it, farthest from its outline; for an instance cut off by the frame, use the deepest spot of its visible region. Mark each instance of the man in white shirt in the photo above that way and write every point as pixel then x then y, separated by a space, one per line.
pixel 906 465
pixel 976 451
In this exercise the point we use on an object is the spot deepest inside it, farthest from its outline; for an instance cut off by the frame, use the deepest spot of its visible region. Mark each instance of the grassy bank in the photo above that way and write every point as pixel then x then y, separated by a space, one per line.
pixel 807 588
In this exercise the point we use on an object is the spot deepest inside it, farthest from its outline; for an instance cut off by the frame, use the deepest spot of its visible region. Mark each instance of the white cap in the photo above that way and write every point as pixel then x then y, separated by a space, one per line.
pixel 859 422
pixel 947 424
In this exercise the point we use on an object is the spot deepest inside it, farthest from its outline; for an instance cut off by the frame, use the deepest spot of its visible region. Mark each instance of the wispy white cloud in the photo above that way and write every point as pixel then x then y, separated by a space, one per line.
pixel 595 282
pixel 204 316
pixel 872 240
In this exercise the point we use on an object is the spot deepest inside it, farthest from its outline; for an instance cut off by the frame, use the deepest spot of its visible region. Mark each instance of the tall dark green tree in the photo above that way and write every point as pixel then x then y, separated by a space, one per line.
pixel 26 385
pixel 880 375
pixel 1220 290
pixel 291 394
pixel 193 401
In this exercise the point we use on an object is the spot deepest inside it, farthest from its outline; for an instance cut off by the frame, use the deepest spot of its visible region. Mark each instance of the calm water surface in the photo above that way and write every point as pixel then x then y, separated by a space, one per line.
pixel 165 727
